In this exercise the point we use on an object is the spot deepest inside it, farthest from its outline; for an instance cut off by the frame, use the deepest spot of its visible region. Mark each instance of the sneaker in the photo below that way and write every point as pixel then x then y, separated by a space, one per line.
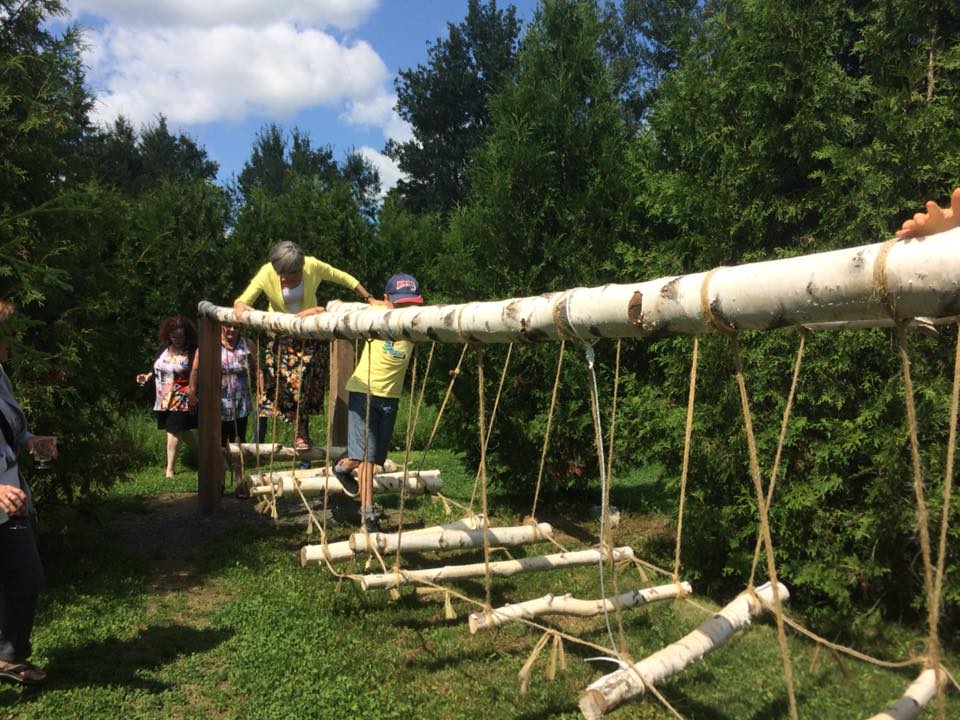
pixel 371 525
pixel 351 488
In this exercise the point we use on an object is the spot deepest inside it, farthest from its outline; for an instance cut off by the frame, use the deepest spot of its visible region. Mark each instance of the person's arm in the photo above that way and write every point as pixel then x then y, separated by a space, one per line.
pixel 367 297
pixel 194 374
pixel 935 220
pixel 249 296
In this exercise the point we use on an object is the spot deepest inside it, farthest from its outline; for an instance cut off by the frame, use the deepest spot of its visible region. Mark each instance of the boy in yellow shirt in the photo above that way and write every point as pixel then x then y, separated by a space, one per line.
pixel 378 378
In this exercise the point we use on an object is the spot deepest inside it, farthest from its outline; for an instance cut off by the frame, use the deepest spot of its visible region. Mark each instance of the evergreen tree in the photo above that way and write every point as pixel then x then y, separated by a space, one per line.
pixel 447 103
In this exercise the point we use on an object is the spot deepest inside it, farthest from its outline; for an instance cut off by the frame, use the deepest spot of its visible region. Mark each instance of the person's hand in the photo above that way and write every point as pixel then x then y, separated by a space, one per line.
pixel 240 309
pixel 143 377
pixel 373 302
pixel 12 499
pixel 311 311
pixel 935 220
pixel 42 445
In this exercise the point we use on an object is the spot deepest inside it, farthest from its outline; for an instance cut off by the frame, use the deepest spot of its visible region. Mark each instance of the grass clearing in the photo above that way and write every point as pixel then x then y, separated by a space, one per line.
pixel 153 613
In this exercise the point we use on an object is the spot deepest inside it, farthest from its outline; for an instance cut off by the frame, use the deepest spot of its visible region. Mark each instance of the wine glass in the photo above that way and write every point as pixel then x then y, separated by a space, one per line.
pixel 42 461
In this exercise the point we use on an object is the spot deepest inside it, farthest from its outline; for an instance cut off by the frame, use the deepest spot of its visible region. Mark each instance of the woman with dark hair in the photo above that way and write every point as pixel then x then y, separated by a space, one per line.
pixel 21 574
pixel 294 370
pixel 177 336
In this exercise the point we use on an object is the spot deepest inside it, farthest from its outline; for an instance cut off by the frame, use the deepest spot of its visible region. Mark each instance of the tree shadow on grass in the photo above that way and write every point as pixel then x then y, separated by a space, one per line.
pixel 125 663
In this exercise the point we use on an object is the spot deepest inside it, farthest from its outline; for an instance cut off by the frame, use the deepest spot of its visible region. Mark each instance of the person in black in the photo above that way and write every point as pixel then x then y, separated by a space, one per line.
pixel 21 574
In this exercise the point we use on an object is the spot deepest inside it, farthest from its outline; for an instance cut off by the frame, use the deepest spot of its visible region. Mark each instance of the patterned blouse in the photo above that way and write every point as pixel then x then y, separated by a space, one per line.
pixel 235 380
pixel 171 372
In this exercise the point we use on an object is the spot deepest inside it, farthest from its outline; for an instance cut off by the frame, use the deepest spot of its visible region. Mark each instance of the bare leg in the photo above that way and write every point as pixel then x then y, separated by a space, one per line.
pixel 172 444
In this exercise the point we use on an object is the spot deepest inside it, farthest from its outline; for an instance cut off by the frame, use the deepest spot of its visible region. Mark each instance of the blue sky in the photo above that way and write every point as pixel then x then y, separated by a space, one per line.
pixel 221 69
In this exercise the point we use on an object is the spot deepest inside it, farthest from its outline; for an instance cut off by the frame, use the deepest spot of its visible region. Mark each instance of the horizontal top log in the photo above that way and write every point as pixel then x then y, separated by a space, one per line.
pixel 921 279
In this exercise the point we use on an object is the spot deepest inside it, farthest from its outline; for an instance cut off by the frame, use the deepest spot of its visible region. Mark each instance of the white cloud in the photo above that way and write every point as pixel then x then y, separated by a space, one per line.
pixel 196 75
pixel 389 172
pixel 343 14
pixel 377 110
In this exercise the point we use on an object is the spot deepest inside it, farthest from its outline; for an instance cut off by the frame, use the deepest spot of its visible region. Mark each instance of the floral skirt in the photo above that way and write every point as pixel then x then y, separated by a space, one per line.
pixel 299 367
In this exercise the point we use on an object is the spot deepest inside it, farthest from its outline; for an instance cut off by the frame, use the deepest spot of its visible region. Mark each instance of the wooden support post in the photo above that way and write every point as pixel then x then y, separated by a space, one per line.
pixel 341 368
pixel 210 476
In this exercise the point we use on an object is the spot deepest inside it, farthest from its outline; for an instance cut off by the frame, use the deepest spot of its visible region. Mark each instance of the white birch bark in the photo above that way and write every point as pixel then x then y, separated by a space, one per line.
pixel 265 451
pixel 501 568
pixel 922 279
pixel 568 605
pixel 337 551
pixel 914 699
pixel 451 539
pixel 313 482
pixel 617 687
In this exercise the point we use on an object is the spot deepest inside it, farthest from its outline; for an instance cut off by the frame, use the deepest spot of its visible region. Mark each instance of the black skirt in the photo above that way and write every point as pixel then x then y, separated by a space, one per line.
pixel 174 422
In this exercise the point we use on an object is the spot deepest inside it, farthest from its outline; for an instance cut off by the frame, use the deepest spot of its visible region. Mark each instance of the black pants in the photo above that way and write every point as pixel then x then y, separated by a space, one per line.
pixel 21 577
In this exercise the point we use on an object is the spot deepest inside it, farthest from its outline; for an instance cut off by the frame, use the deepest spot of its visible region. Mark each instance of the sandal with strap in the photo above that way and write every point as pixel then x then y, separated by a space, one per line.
pixel 23 673
pixel 301 442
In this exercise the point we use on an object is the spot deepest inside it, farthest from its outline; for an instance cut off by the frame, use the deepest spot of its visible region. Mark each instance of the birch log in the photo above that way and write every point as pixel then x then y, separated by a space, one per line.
pixel 914 699
pixel 501 568
pixel 617 687
pixel 567 605
pixel 922 280
pixel 265 451
pixel 342 551
pixel 450 539
pixel 312 484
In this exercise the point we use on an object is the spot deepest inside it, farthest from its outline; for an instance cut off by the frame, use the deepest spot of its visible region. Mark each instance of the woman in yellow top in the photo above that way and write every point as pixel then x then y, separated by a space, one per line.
pixel 294 370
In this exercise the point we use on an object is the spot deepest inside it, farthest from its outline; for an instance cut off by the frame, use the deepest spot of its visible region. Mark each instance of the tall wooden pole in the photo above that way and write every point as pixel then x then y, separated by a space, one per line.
pixel 210 476
pixel 341 368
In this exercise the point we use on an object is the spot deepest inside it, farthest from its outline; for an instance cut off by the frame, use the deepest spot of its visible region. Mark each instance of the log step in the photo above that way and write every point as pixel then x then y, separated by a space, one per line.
pixel 251 451
pixel 342 551
pixel 617 687
pixel 314 480
pixel 451 539
pixel 916 697
pixel 568 605
pixel 502 568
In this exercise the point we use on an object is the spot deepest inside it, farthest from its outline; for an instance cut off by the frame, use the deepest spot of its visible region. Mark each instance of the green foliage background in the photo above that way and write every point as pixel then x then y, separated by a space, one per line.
pixel 603 143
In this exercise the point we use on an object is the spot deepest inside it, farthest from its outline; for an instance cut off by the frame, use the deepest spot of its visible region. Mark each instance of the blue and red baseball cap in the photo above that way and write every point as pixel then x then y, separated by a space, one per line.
pixel 403 289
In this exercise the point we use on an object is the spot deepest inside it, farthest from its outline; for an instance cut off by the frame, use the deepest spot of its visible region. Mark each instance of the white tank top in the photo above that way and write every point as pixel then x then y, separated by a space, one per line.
pixel 293 298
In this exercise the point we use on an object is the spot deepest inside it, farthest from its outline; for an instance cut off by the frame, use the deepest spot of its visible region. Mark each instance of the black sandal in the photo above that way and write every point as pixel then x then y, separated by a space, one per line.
pixel 18 673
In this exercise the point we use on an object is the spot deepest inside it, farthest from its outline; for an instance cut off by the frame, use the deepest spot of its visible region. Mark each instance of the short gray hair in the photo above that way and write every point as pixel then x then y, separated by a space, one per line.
pixel 286 257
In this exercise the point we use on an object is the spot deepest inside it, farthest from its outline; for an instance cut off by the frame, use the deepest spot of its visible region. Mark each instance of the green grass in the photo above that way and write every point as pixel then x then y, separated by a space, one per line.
pixel 154 613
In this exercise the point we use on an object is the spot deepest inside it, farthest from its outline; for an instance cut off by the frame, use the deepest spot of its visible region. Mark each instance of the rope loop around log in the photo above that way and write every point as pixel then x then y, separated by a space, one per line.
pixel 880 288
pixel 713 320
pixel 561 317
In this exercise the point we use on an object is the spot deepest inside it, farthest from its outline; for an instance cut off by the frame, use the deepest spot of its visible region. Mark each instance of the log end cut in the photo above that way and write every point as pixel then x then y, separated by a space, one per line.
pixel 592 705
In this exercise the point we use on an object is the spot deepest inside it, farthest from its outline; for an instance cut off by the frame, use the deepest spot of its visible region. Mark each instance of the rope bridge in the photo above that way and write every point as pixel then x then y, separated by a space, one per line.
pixel 898 284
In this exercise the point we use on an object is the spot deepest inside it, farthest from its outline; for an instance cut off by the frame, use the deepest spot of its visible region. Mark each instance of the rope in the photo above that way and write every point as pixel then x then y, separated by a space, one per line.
pixel 454 374
pixel 605 545
pixel 764 525
pixel 406 456
pixel 685 468
pixel 610 449
pixel 922 515
pixel 546 435
pixel 947 495
pixel 481 420
pixel 493 417
pixel 787 411
pixel 713 321
pixel 880 289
